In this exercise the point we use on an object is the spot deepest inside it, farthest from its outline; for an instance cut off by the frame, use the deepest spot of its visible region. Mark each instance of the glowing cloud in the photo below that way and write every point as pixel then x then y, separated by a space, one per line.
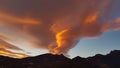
pixel 11 54
pixel 11 18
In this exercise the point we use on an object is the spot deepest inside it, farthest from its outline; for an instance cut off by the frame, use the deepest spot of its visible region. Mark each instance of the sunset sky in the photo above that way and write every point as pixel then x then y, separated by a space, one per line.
pixel 104 44
pixel 70 27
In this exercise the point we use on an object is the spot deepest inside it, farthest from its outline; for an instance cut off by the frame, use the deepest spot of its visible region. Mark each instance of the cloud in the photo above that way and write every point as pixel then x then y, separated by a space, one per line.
pixel 5 52
pixel 4 44
pixel 11 18
pixel 56 25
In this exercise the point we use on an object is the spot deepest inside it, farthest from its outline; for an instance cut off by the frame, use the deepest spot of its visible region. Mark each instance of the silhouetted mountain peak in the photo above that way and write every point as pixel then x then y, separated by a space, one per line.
pixel 51 56
pixel 111 60
pixel 78 58
pixel 115 52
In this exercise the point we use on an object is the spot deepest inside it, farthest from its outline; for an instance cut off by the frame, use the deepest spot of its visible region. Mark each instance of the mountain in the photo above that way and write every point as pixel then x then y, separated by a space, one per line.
pixel 111 60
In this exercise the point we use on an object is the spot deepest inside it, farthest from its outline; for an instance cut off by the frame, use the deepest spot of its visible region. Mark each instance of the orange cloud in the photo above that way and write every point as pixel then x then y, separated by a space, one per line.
pixel 111 25
pixel 118 20
pixel 5 52
pixel 91 18
pixel 8 17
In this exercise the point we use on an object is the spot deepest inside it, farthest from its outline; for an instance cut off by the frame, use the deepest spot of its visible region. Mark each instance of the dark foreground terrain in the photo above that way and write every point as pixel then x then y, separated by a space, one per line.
pixel 111 60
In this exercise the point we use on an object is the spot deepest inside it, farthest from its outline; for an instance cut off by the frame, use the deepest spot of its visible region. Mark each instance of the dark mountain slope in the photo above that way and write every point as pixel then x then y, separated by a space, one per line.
pixel 111 60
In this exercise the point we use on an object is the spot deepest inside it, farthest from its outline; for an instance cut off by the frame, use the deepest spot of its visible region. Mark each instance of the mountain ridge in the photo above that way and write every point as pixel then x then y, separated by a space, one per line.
pixel 111 60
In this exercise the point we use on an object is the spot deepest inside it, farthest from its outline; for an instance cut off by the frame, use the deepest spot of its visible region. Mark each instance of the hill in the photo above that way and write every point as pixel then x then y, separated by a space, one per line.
pixel 111 60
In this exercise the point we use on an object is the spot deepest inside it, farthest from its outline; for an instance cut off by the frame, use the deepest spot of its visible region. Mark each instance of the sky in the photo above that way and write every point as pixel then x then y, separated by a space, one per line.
pixel 103 45
pixel 70 27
